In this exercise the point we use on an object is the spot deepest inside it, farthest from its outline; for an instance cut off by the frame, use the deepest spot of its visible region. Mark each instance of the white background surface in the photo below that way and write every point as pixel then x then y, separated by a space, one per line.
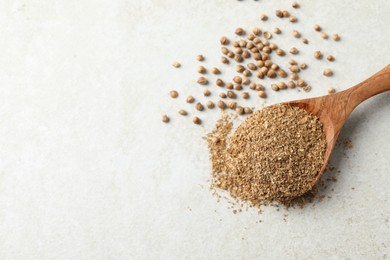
pixel 88 171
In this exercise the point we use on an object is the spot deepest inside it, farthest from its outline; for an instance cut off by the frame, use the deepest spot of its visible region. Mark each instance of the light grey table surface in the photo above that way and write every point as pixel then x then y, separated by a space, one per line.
pixel 88 171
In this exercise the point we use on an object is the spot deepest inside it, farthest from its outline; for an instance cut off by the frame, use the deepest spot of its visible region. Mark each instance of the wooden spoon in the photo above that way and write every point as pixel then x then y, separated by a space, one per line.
pixel 333 110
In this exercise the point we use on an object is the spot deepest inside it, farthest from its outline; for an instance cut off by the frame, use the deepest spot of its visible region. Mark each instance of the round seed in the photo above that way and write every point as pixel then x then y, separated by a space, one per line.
pixel 267 35
pixel 303 66
pixel 220 83
pixel 293 19
pixel 328 72
pixel 248 110
pixel 318 55
pixel 190 99
pixel 173 94
pixel 240 110
pixel 252 66
pixel 301 83
pixel 237 79
pixel 249 45
pixel 206 93
pixel 222 95
pixel 230 54
pixel 257 40
pixel 279 13
pixel 232 105
pixel 238 50
pixel 224 50
pixel 200 57
pixel 237 87
pixel 291 84
pixel 202 81
pixel 294 68
pixel 221 104
pixel 229 85
pixel 256 31
pixel 293 62
pixel 330 58
pixel 280 52
pixel 165 119
pixel 271 74
pixel 273 46
pixel 264 70
pixel 240 31
pixel 210 104
pixel 261 94
pixel 242 43
pixel 295 5
pixel 183 112
pixel 263 17
pixel 238 58
pixel 252 86
pixel 267 49
pixel 324 35
pixel 259 87
pixel 336 37
pixel 294 76
pixel 274 87
pixel 294 50
pixel 245 95
pixel 260 75
pixel 282 85
pixel 296 34
pixel 246 81
pixel 286 13
pixel 247 73
pixel 214 70
pixel 246 54
pixel 268 63
pixel 224 40
pixel 224 60
pixel 277 30
pixel 231 94
pixel 282 73
pixel 176 64
pixel 201 69
pixel 199 106
pixel 317 28
pixel 251 37
pixel 196 120
pixel 275 66
pixel 307 88
pixel 305 41
pixel 331 90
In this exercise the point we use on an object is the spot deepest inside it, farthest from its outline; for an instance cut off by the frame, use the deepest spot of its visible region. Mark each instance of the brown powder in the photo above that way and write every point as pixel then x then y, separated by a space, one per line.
pixel 273 156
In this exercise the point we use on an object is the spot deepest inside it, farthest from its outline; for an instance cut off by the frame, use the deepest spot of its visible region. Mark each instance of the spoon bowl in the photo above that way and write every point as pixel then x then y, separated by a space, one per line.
pixel 333 110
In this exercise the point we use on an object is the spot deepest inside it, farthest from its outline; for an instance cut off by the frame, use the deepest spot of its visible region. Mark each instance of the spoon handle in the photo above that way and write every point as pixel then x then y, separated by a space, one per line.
pixel 378 83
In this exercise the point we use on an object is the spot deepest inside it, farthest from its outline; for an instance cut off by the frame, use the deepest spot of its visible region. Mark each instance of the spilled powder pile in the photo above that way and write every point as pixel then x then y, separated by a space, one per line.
pixel 273 156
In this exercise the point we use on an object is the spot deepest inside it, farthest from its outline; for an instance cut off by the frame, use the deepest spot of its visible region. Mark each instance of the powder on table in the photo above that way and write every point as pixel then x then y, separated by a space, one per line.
pixel 273 156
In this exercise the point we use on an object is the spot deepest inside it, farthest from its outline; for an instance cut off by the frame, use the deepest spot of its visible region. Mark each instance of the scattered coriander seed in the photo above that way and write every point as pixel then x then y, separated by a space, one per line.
pixel 268 63
pixel 229 85
pixel 267 49
pixel 282 73
pixel 210 104
pixel 251 36
pixel 280 52
pixel 240 31
pixel 274 66
pixel 293 62
pixel 232 105
pixel 202 81
pixel 173 94
pixel 317 28
pixel 286 13
pixel 247 73
pixel 318 55
pixel 277 30
pixel 291 84
pixel 238 50
pixel 240 110
pixel 264 70
pixel 282 85
pixel 245 95
pixel 336 37
pixel 248 110
pixel 328 72
pixel 222 95
pixel 301 83
pixel 237 79
pixel 256 53
pixel 242 43
pixel 230 54
pixel 274 87
pixel 296 34
pixel 259 87
pixel 271 73
pixel 199 106
pixel 176 64
pixel 224 40
pixel 190 99
pixel 221 104
pixel 324 35
pixel 224 60
pixel 294 76
pixel 246 81
pixel 235 44
pixel 305 41
pixel 183 112
pixel 294 50
pixel 263 17
pixel 257 40
pixel 279 13
pixel 260 63
pixel 330 58
pixel 267 35
pixel 215 70
pixel 295 5
pixel 196 120
pixel 231 94
pixel 220 83
pixel 252 86
pixel 260 75
pixel 250 45
pixel 307 88
pixel 303 66
pixel 273 46
pixel 165 119
pixel 225 50
pixel 206 93
pixel 265 56
pixel 238 58
pixel 293 19
pixel 240 68
pixel 331 90
pixel 237 87
pixel 294 68
pixel 261 94
pixel 252 66
pixel 256 30
pixel 200 57
pixel 246 54
pixel 201 69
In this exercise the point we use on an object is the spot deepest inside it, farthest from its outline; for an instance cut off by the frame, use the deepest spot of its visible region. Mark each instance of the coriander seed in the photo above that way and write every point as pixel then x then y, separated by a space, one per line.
pixel 252 66
pixel 240 110
pixel 294 68
pixel 293 62
pixel 328 72
pixel 305 41
pixel 248 110
pixel 259 87
pixel 273 46
pixel 225 50
pixel 252 86
pixel 267 35
pixel 230 54
pixel 274 87
pixel 282 85
pixel 224 60
pixel 222 95
pixel 295 5
pixel 237 79
pixel 286 13
pixel 294 50
pixel 201 69
pixel 261 94
pixel 318 55
pixel 294 76
pixel 301 83
pixel 173 94
pixel 165 119
pixel 202 81
pixel 246 81
pixel 229 85
pixel 282 73
pixel 293 19
pixel 274 66
pixel 260 75
pixel 271 73
pixel 231 94
pixel 196 120
pixel 251 37
pixel 176 64
pixel 199 106
pixel 303 66
pixel 200 57
pixel 210 104
pixel 232 105
pixel 279 13
pixel 224 40
pixel 240 68
pixel 256 30
pixel 220 83
pixel 291 84
pixel 215 71
pixel 240 31
pixel 221 104
pixel 190 99
pixel 296 34
pixel 246 54
pixel 183 112
pixel 238 50
pixel 336 37
pixel 330 58
pixel 238 58
pixel 247 73
pixel 206 93
pixel 245 95
pixel 263 17
pixel 317 28
pixel 280 52
pixel 237 87
pixel 331 90
pixel 324 35
pixel 277 30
